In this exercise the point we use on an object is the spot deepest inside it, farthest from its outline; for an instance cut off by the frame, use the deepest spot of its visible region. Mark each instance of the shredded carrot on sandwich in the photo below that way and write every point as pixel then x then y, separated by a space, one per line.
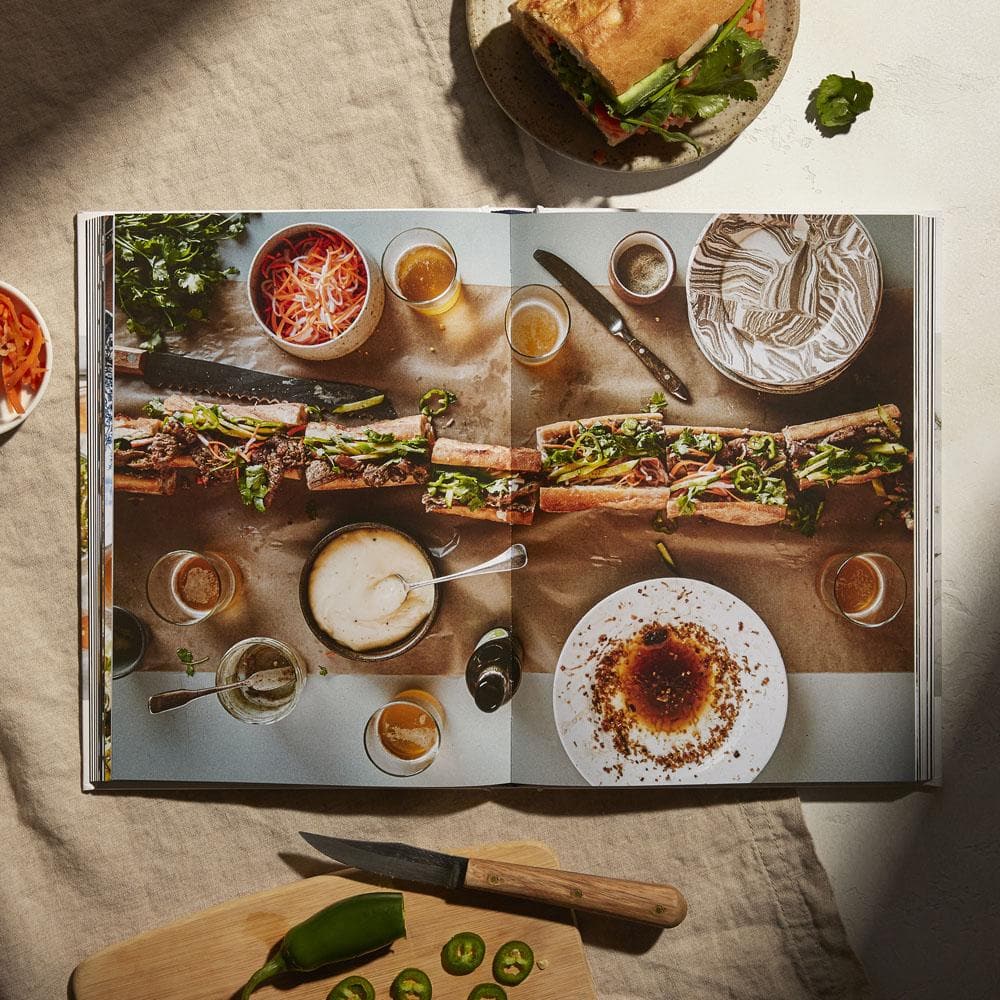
pixel 313 288
pixel 22 353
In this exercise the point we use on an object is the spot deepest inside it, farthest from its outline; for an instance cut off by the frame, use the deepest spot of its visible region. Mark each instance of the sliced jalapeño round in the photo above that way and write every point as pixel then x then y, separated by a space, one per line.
pixel 512 963
pixel 411 984
pixel 463 954
pixel 488 991
pixel 352 988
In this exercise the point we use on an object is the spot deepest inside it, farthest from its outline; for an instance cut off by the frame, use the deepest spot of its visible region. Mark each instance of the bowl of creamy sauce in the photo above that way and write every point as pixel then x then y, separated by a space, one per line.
pixel 352 597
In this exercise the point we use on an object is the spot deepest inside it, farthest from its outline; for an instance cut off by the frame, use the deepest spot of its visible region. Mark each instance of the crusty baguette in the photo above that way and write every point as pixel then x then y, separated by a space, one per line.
pixel 566 499
pixel 819 429
pixel 449 451
pixel 502 516
pixel 816 430
pixel 321 476
pixel 417 425
pixel 289 414
pixel 621 41
pixel 163 484
pixel 550 434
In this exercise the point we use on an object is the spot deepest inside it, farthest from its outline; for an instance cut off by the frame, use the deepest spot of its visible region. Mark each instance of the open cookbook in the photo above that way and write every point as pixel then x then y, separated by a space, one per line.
pixel 690 458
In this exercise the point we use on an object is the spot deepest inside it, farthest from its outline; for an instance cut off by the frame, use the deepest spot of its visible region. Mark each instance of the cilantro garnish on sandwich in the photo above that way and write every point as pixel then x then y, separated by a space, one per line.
pixel 634 66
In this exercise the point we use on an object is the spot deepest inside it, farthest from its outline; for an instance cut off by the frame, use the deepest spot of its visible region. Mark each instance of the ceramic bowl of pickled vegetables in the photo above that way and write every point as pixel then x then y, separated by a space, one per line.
pixel 25 357
pixel 315 293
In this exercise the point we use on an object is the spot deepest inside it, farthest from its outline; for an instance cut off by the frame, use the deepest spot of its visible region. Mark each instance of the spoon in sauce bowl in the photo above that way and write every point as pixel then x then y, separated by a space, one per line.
pixel 389 593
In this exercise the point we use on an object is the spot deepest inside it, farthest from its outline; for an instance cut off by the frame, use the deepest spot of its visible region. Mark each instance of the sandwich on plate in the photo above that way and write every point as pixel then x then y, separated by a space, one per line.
pixel 636 66
pixel 854 448
pixel 385 453
pixel 636 462
pixel 484 481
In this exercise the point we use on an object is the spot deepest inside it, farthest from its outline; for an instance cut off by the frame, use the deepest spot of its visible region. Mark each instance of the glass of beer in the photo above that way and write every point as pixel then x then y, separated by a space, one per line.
pixel 186 587
pixel 404 736
pixel 867 588
pixel 537 324
pixel 421 268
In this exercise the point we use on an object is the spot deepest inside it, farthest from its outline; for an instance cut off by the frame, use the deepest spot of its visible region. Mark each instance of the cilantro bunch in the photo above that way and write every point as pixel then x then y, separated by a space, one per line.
pixel 166 267
pixel 838 100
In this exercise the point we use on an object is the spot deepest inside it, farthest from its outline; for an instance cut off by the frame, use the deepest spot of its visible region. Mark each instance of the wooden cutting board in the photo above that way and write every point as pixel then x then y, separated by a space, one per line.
pixel 210 955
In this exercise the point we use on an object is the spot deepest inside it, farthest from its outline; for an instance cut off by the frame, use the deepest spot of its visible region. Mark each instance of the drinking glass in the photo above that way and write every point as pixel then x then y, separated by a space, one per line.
pixel 186 587
pixel 248 656
pixel 537 323
pixel 398 253
pixel 403 737
pixel 867 588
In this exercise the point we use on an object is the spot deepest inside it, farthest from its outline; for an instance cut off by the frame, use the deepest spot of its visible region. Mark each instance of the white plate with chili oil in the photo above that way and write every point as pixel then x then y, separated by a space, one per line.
pixel 670 682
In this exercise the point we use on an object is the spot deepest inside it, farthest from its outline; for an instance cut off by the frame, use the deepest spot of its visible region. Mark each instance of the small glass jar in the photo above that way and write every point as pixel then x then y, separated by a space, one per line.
pixel 248 656
pixel 403 738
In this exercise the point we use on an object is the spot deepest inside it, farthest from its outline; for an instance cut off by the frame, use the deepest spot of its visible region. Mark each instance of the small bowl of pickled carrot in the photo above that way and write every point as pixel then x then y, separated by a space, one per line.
pixel 25 357
pixel 315 292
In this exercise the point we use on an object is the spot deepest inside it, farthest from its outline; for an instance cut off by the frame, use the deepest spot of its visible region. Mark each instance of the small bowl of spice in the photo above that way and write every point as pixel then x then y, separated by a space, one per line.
pixel 641 268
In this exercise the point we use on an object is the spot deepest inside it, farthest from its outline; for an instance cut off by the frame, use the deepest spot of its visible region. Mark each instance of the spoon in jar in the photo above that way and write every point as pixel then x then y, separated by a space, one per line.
pixel 389 593
pixel 262 681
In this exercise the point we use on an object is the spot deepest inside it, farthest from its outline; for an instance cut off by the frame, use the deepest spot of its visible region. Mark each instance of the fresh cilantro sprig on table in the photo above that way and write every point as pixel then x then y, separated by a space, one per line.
pixel 838 100
pixel 166 267
pixel 187 658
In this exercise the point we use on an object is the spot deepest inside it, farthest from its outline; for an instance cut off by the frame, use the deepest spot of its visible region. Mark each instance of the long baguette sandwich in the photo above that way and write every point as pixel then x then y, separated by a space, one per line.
pixel 484 481
pixel 634 66
pixel 853 448
pixel 257 446
pixel 636 462
pixel 385 453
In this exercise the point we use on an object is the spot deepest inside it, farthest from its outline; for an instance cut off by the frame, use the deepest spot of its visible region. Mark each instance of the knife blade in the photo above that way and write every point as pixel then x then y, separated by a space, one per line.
pixel 612 320
pixel 661 905
pixel 163 370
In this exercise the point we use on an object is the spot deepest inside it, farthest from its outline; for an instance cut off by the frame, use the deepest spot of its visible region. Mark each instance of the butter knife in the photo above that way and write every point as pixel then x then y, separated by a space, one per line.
pixel 163 370
pixel 612 320
pixel 661 905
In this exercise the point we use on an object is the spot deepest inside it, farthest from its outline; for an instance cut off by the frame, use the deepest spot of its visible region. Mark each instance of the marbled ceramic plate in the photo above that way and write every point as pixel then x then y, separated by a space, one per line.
pixel 535 102
pixel 754 697
pixel 783 303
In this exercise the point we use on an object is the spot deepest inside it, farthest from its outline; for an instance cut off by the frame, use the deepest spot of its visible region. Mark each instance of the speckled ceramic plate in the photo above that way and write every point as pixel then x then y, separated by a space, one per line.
pixel 783 303
pixel 750 692
pixel 535 102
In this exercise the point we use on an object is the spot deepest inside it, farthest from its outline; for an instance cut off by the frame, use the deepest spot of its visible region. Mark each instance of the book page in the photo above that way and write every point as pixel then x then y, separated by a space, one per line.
pixel 819 697
pixel 325 739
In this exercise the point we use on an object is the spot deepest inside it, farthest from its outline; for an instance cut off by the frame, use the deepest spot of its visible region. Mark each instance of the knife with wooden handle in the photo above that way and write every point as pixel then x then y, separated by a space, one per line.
pixel 612 320
pixel 661 905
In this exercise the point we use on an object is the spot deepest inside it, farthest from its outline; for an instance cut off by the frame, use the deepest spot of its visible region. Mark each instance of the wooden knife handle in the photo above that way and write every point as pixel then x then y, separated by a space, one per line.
pixel 662 905
pixel 128 360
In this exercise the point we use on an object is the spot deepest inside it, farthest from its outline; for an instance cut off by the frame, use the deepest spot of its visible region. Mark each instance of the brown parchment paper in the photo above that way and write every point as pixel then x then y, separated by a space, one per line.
pixel 577 559
pixel 464 350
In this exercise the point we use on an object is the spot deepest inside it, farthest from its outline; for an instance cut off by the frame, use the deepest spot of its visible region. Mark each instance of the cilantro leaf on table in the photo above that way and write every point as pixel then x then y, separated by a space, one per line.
pixel 187 658
pixel 838 100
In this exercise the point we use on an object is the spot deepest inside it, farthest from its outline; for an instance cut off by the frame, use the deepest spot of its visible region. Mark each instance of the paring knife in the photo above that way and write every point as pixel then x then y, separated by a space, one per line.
pixel 661 905
pixel 177 371
pixel 605 313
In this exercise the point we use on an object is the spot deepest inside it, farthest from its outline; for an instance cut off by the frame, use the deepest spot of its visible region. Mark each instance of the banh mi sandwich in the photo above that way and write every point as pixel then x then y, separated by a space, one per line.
pixel 484 481
pixel 854 448
pixel 649 65
pixel 385 453
pixel 135 470
pixel 257 446
pixel 636 462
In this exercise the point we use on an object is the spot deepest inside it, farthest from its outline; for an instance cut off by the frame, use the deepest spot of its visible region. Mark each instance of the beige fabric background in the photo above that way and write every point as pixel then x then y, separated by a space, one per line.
pixel 114 104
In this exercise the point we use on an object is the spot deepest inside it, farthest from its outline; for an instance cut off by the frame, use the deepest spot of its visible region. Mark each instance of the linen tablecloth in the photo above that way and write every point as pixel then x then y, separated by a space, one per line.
pixel 163 105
